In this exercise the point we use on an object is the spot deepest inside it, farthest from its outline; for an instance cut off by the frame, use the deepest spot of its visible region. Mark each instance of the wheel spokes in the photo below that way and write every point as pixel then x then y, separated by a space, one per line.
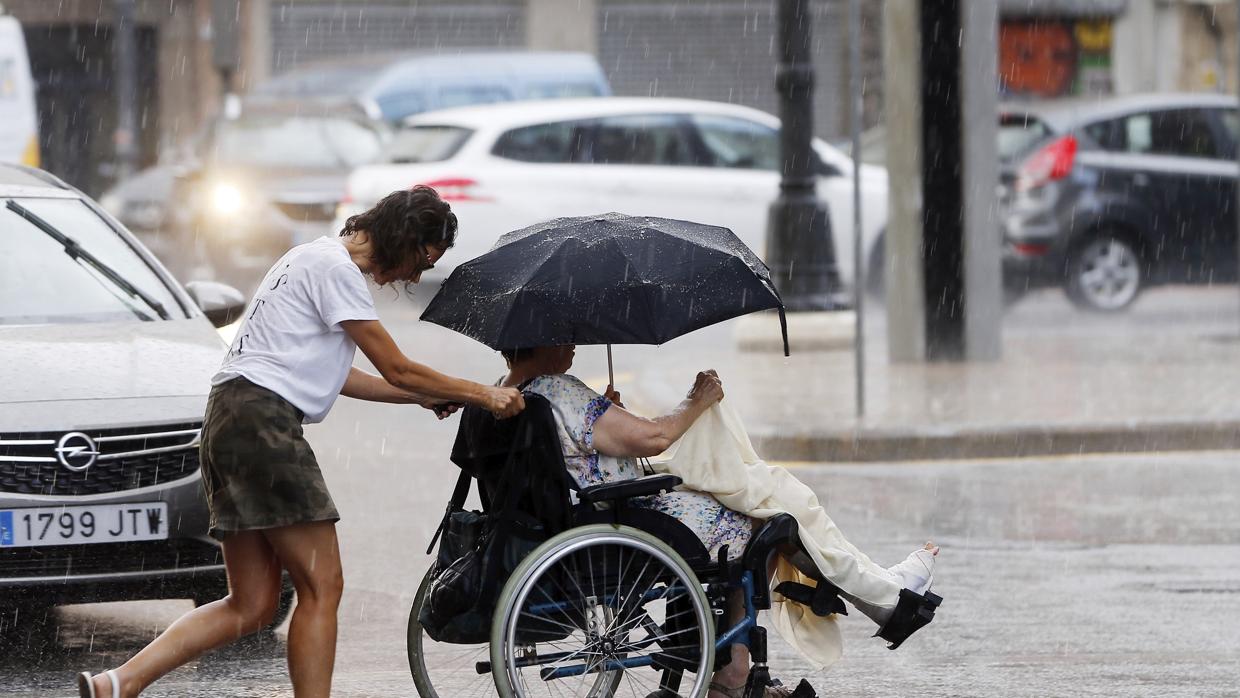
pixel 631 606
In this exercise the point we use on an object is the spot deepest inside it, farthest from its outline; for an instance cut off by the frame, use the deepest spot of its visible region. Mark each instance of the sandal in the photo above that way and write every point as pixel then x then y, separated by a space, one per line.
pixel 86 684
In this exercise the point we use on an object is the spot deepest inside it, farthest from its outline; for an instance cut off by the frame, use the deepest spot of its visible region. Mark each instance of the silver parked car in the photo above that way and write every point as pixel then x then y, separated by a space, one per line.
pixel 105 364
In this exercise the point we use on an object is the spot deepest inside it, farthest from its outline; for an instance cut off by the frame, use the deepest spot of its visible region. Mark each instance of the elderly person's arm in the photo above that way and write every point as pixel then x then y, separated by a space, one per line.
pixel 623 434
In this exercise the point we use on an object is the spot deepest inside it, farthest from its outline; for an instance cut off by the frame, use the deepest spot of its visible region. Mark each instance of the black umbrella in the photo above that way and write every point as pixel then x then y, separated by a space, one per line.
pixel 605 279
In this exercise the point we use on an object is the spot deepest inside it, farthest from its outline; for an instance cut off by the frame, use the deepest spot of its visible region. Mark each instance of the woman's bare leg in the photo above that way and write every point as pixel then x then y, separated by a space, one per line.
pixel 253 592
pixel 311 555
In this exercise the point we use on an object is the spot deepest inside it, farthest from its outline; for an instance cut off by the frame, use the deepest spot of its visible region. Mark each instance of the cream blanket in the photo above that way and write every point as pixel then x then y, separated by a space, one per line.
pixel 716 456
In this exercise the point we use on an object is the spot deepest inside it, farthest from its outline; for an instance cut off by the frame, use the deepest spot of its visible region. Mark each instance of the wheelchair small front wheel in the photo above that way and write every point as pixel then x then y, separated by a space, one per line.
pixel 601 611
pixel 443 670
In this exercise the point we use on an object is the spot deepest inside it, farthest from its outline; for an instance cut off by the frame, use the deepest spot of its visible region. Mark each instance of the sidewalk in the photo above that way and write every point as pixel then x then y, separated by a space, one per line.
pixel 1057 390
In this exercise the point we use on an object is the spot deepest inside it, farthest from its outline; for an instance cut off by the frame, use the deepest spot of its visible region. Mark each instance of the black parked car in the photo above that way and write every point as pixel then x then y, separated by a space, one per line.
pixel 1124 193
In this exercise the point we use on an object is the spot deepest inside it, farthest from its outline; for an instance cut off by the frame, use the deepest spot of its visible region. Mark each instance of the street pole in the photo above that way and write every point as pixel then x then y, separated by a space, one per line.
pixel 800 249
pixel 859 280
pixel 225 42
pixel 1237 181
pixel 126 72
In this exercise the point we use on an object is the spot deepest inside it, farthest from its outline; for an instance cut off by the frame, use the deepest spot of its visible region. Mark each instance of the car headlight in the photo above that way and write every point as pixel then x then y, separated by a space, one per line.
pixel 226 199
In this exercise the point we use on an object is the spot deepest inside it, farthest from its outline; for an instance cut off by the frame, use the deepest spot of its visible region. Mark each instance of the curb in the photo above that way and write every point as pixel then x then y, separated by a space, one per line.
pixel 818 331
pixel 1017 441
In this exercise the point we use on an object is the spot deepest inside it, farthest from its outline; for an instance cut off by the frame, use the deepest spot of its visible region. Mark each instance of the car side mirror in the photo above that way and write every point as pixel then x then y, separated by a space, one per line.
pixel 222 304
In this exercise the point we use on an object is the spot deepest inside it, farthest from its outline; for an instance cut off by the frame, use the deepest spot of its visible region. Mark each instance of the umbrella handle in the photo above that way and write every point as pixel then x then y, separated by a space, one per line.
pixel 783 328
pixel 611 374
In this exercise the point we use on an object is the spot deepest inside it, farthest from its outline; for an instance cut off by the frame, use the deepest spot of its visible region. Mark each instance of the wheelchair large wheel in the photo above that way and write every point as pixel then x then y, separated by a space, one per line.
pixel 442 670
pixel 601 611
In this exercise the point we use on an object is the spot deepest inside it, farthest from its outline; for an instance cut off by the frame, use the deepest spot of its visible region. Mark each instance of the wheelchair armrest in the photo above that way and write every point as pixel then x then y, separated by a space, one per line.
pixel 627 489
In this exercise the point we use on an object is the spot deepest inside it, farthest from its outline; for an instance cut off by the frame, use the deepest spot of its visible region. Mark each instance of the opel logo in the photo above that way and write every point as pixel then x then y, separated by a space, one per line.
pixel 76 451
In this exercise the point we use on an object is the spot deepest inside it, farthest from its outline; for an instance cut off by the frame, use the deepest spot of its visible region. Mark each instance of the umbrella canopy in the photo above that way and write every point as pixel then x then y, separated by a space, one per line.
pixel 605 279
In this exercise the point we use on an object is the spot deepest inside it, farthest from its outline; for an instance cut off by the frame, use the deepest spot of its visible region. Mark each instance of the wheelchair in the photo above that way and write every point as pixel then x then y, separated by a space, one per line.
pixel 625 601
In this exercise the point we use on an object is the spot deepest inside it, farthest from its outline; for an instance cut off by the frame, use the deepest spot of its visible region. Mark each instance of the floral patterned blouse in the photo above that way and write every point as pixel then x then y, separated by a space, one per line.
pixel 576 408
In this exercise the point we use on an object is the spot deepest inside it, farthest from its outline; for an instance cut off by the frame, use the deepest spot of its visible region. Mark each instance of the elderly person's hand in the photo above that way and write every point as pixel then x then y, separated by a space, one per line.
pixel 614 395
pixel 622 434
pixel 707 387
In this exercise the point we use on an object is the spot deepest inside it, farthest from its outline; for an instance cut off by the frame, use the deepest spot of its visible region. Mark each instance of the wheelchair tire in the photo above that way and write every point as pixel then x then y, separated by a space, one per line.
pixel 451 666
pixel 600 562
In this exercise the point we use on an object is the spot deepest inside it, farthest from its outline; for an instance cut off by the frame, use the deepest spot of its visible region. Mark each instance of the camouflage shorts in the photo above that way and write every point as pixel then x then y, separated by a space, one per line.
pixel 257 469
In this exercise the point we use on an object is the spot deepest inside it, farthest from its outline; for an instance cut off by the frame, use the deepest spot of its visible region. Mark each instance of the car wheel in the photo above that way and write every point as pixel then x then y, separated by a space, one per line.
pixel 29 619
pixel 1104 274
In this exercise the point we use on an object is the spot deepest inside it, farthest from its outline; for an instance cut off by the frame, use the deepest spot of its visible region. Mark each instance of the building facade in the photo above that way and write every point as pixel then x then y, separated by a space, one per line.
pixel 191 51
pixel 72 45
pixel 714 49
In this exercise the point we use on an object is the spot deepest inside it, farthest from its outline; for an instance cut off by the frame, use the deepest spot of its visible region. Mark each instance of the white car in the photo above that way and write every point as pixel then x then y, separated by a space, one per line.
pixel 19 120
pixel 506 166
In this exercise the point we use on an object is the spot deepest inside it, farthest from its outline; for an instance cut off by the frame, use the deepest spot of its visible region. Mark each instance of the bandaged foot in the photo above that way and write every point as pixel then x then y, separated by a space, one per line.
pixel 916 572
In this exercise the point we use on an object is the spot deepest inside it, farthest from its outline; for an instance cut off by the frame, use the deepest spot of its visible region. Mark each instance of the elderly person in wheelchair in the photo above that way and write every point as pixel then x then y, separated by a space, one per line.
pixel 652 576
pixel 602 442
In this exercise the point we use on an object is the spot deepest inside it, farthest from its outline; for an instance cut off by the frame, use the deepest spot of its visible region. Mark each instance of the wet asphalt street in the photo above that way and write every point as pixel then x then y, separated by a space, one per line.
pixel 1079 576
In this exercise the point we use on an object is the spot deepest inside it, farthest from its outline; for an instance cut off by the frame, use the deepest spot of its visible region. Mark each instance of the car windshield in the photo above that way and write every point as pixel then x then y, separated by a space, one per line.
pixel 560 90
pixel 296 142
pixel 40 284
pixel 427 143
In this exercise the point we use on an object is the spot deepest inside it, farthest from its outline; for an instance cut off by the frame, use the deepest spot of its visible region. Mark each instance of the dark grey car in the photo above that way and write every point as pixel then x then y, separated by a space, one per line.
pixel 1122 194
pixel 268 178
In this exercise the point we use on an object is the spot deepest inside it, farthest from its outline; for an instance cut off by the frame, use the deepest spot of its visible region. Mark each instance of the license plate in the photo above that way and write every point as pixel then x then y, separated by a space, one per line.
pixel 101 523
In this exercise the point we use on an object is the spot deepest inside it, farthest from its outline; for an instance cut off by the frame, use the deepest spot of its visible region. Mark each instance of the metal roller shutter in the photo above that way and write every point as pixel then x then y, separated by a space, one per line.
pixel 309 30
pixel 722 50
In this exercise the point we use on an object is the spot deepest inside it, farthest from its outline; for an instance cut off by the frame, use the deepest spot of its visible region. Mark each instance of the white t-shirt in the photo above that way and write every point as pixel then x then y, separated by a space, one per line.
pixel 291 341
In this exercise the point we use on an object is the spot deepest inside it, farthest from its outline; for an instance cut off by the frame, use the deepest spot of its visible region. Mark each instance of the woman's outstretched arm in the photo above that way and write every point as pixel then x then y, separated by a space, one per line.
pixel 361 385
pixel 622 434
pixel 399 371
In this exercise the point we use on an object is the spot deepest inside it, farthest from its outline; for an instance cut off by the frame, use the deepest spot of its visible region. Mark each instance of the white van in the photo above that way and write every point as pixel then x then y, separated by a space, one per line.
pixel 19 125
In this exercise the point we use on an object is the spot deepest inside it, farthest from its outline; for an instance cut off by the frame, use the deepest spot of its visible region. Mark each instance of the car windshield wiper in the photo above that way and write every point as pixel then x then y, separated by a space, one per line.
pixel 79 253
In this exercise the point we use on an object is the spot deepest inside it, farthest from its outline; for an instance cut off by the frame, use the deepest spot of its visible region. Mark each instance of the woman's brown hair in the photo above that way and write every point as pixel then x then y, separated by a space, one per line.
pixel 403 225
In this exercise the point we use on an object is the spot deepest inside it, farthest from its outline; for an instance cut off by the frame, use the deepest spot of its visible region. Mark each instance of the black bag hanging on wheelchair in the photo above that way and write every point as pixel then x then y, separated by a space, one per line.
pixel 475 557
pixel 480 549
